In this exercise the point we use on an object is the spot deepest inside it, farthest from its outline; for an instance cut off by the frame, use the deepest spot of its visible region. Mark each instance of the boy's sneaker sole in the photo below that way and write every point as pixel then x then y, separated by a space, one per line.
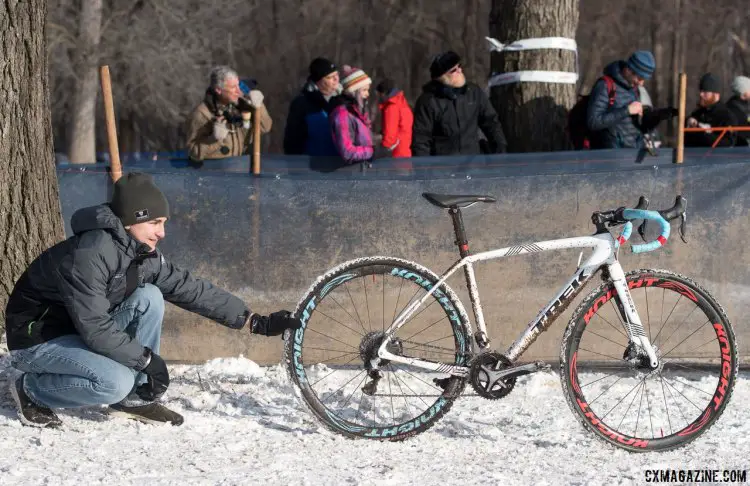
pixel 152 413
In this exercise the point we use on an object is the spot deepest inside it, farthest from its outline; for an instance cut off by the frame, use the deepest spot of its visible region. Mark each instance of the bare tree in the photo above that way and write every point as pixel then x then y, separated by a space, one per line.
pixel 658 27
pixel 82 147
pixel 471 8
pixel 30 219
pixel 534 114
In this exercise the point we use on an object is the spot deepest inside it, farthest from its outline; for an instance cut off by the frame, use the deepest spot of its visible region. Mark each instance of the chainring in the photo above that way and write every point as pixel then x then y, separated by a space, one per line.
pixel 479 376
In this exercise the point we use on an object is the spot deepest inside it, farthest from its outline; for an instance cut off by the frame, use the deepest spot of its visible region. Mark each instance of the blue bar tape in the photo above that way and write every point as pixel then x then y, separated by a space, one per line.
pixel 653 216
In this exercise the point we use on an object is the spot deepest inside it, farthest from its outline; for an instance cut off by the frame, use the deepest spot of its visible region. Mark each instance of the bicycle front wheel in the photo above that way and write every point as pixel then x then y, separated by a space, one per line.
pixel 612 389
pixel 345 316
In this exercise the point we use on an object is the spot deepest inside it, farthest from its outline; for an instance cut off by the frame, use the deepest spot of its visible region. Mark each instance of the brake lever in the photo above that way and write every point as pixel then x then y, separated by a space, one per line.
pixel 642 204
pixel 683 226
pixel 680 208
pixel 642 230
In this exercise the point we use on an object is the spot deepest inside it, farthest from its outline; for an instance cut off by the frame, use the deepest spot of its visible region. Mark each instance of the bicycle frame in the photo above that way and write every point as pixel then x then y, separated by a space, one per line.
pixel 604 255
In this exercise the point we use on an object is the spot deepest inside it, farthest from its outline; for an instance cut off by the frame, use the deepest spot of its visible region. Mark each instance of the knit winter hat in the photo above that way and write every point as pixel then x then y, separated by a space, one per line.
pixel 321 67
pixel 710 84
pixel 136 199
pixel 354 79
pixel 385 86
pixel 740 85
pixel 642 63
pixel 442 63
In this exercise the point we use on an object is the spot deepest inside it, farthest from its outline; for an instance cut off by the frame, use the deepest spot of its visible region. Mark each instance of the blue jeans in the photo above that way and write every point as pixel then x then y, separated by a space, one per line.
pixel 65 373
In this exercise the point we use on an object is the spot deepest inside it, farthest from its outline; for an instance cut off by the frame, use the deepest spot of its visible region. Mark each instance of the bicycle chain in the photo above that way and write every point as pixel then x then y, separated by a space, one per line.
pixel 428 346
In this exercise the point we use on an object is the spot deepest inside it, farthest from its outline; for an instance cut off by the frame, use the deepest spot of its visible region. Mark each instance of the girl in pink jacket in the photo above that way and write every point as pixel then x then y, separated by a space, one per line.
pixel 350 123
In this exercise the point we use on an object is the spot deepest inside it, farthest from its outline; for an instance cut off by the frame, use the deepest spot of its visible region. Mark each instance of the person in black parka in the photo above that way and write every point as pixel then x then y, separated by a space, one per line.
pixel 450 112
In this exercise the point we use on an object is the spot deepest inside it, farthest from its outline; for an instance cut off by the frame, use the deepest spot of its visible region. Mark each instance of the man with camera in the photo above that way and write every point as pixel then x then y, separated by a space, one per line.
pixel 221 125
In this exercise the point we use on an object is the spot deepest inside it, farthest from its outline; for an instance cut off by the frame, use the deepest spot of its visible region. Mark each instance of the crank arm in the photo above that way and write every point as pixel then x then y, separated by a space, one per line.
pixel 516 371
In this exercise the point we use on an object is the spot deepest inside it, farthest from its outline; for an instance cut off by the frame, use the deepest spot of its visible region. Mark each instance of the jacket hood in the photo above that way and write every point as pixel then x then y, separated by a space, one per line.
pixel 441 90
pixel 396 97
pixel 101 217
pixel 614 71
pixel 348 101
pixel 315 97
pixel 342 99
pixel 309 87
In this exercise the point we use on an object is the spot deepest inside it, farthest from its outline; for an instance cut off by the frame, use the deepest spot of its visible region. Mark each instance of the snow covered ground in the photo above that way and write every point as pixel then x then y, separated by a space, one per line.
pixel 244 425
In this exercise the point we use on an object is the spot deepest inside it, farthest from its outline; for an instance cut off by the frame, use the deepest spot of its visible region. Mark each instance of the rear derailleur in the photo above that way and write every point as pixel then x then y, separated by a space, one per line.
pixel 368 352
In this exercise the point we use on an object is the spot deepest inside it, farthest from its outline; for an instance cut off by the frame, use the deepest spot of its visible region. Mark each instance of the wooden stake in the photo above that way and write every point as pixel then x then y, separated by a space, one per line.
pixel 256 141
pixel 109 115
pixel 681 120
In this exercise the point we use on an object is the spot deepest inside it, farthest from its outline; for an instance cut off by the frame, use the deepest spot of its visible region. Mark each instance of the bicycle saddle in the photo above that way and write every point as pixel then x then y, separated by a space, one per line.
pixel 448 200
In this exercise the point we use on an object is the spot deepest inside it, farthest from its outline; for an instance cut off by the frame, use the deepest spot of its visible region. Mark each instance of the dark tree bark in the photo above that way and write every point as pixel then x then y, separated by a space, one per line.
pixel 82 148
pixel 534 115
pixel 30 218
pixel 657 42
pixel 469 38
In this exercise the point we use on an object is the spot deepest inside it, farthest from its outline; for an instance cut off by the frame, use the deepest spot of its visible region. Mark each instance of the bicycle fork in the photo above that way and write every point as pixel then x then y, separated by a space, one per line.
pixel 630 319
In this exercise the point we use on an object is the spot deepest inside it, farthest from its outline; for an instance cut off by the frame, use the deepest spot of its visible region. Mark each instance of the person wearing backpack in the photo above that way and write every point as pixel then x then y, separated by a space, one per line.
pixel 615 116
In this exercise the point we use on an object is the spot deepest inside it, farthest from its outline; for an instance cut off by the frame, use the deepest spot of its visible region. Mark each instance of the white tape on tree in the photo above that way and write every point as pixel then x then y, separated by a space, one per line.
pixel 535 43
pixel 534 76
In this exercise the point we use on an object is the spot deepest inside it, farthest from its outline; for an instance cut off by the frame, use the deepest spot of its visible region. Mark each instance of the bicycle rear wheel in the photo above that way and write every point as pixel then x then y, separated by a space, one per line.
pixel 345 315
pixel 616 395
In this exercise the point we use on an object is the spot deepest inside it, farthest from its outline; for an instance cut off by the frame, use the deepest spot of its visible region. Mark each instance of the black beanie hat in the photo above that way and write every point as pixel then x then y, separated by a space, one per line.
pixel 385 86
pixel 442 63
pixel 320 68
pixel 136 199
pixel 710 84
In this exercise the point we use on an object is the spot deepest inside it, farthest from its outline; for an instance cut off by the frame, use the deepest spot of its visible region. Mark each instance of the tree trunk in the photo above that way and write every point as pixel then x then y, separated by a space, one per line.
pixel 469 39
pixel 30 218
pixel 82 149
pixel 676 65
pixel 533 114
pixel 657 43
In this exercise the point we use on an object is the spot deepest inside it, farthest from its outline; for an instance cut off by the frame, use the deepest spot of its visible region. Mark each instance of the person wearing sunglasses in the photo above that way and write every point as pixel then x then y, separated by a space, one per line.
pixel 450 112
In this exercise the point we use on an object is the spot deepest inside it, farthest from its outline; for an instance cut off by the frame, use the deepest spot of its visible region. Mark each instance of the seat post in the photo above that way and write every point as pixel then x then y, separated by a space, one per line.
pixel 458 228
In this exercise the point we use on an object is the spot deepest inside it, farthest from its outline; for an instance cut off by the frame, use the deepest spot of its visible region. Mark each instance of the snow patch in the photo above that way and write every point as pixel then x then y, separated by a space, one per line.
pixel 244 425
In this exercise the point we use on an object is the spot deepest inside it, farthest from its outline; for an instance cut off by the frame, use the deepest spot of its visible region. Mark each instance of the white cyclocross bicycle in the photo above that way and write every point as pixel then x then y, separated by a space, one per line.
pixel 648 361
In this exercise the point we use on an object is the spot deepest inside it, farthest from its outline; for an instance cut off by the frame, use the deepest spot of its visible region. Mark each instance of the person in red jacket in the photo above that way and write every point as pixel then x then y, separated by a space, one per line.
pixel 397 119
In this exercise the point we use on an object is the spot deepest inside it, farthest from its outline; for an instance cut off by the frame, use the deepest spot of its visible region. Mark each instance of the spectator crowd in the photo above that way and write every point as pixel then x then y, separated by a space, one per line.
pixel 330 116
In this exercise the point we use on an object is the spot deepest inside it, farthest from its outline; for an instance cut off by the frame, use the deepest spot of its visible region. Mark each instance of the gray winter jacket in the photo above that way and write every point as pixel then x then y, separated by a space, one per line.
pixel 615 126
pixel 72 287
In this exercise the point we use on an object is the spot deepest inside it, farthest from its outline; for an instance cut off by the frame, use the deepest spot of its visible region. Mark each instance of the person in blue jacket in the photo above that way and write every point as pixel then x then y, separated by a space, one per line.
pixel 308 131
pixel 616 113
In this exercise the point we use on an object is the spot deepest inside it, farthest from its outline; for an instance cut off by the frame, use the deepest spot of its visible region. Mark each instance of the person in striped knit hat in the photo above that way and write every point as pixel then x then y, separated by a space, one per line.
pixel 350 122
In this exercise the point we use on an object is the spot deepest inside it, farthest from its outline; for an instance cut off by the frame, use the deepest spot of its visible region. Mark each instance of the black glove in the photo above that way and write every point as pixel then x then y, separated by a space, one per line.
pixel 158 378
pixel 274 324
pixel 244 105
pixel 668 113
